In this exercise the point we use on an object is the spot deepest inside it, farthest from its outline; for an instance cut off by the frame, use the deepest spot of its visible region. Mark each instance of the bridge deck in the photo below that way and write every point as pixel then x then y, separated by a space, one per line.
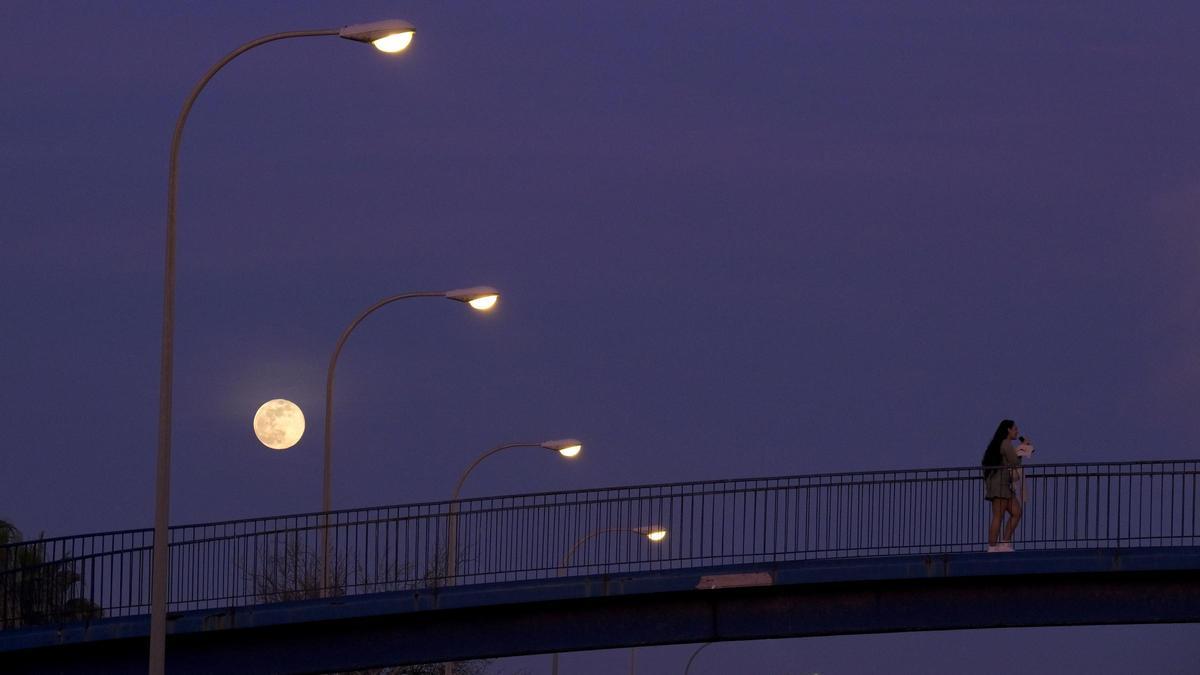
pixel 735 602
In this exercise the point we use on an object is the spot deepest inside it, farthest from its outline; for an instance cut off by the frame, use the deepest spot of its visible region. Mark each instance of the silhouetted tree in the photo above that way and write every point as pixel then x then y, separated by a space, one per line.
pixel 34 590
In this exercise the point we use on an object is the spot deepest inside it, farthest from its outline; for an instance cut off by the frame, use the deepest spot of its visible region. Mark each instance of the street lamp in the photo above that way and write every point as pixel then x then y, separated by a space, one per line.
pixel 386 35
pixel 480 298
pixel 652 533
pixel 567 447
pixel 688 668
pixel 390 36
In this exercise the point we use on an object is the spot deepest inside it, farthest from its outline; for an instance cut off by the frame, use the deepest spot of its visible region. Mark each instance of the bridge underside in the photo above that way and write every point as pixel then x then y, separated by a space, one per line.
pixel 743 602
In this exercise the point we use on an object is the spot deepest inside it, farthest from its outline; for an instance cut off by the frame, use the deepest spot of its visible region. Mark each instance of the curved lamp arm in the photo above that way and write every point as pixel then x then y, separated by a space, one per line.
pixel 687 669
pixel 481 298
pixel 653 533
pixel 568 447
pixel 327 481
pixel 463 478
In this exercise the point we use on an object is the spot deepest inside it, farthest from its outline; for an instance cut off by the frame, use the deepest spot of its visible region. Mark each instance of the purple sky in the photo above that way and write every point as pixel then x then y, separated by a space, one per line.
pixel 735 239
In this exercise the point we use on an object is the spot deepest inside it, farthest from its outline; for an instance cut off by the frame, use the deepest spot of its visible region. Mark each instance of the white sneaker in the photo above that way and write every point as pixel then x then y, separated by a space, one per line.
pixel 993 549
pixel 1004 547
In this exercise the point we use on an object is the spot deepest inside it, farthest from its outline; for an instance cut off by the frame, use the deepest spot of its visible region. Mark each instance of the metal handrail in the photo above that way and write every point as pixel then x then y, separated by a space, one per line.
pixel 510 537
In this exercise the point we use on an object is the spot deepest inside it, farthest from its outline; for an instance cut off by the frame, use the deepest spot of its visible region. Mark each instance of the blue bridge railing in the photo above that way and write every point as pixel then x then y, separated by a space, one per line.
pixel 609 530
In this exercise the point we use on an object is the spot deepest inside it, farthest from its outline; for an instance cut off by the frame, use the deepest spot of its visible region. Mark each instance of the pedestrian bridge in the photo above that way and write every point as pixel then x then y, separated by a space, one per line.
pixel 741 559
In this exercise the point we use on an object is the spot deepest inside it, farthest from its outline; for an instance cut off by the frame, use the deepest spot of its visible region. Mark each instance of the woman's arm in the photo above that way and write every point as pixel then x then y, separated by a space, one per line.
pixel 1010 453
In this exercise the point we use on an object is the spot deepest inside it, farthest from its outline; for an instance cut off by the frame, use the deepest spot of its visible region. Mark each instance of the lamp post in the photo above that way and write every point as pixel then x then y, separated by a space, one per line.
pixel 388 36
pixel 481 298
pixel 653 533
pixel 567 447
pixel 688 668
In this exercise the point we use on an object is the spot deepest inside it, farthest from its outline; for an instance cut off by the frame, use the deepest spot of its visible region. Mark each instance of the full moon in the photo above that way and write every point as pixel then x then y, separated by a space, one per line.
pixel 279 424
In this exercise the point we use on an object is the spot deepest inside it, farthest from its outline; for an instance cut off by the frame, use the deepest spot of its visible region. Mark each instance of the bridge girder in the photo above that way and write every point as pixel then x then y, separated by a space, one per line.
pixel 745 602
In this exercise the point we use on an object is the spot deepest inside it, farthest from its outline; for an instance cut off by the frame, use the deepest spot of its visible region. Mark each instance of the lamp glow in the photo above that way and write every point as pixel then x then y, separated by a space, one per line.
pixel 567 447
pixel 656 535
pixel 482 298
pixel 484 303
pixel 394 43
pixel 391 35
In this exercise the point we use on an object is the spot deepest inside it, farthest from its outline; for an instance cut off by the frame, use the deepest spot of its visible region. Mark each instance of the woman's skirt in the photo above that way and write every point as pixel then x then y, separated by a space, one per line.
pixel 998 485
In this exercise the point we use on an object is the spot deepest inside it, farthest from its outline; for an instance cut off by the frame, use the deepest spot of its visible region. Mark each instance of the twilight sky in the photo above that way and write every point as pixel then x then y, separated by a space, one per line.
pixel 734 239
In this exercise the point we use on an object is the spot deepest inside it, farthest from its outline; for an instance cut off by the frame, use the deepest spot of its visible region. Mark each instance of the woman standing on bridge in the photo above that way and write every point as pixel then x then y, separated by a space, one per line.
pixel 997 481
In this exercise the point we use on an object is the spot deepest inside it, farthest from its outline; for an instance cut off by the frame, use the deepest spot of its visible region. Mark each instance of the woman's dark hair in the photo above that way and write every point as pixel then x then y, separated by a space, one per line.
pixel 992 456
